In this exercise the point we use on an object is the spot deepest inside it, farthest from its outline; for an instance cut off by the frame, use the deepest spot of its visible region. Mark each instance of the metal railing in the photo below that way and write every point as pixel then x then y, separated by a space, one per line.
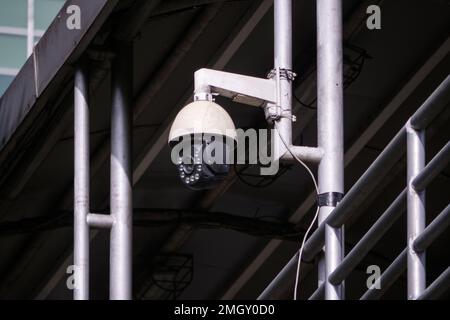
pixel 118 221
pixel 412 198
pixel 333 213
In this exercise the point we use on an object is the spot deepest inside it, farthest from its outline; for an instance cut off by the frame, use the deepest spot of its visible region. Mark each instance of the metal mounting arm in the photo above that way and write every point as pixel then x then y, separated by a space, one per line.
pixel 244 89
pixel 255 92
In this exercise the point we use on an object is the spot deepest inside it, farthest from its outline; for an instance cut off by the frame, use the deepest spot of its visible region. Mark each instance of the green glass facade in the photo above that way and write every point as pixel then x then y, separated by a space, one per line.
pixel 14 32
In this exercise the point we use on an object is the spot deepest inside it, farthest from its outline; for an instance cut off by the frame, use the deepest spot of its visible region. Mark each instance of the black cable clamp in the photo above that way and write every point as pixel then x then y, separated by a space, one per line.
pixel 329 199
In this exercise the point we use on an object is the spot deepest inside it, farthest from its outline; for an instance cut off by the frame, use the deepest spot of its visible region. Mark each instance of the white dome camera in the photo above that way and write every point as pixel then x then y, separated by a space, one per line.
pixel 203 135
pixel 202 138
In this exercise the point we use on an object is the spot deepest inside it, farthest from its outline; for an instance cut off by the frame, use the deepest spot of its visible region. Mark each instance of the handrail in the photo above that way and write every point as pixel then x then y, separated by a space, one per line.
pixel 389 276
pixel 432 169
pixel 358 193
pixel 438 286
pixel 434 230
pixel 364 186
pixel 368 241
pixel 437 101
pixel 319 293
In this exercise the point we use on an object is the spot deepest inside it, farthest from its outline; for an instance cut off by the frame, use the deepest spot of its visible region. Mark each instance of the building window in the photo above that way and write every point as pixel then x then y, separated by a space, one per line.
pixel 45 11
pixel 13 13
pixel 4 82
pixel 14 51
pixel 16 38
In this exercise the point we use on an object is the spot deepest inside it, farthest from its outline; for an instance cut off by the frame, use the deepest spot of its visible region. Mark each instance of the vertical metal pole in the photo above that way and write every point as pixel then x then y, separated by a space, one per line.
pixel 283 64
pixel 30 27
pixel 330 129
pixel 416 211
pixel 81 184
pixel 121 176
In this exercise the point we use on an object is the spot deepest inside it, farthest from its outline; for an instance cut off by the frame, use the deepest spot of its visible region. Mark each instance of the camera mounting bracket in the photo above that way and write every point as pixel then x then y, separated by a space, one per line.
pixel 248 90
pixel 256 92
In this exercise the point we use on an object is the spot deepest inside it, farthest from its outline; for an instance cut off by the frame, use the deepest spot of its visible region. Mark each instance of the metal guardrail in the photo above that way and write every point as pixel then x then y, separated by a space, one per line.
pixel 419 238
pixel 375 233
pixel 389 276
pixel 437 287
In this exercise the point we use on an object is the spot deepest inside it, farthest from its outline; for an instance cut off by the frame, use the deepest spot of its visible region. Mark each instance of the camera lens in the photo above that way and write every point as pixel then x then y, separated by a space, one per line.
pixel 197 167
pixel 187 166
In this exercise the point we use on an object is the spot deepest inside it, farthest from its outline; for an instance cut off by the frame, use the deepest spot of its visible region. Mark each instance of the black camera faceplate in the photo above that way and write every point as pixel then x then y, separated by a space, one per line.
pixel 197 171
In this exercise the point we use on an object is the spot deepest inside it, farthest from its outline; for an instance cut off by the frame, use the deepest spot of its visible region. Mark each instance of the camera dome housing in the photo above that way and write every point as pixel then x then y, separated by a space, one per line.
pixel 210 134
pixel 200 117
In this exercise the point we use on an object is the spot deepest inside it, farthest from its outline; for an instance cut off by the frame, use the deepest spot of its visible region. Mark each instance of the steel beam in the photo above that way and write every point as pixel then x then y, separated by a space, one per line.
pixel 433 230
pixel 432 169
pixel 416 211
pixel 81 184
pixel 435 103
pixel 306 154
pixel 100 221
pixel 121 176
pixel 330 122
pixel 282 10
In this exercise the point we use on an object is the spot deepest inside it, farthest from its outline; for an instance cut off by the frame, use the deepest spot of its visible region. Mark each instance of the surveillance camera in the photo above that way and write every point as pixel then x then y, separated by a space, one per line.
pixel 202 138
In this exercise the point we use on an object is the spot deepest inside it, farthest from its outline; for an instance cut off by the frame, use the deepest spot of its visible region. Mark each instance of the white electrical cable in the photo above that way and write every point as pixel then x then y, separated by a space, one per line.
pixel 300 252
